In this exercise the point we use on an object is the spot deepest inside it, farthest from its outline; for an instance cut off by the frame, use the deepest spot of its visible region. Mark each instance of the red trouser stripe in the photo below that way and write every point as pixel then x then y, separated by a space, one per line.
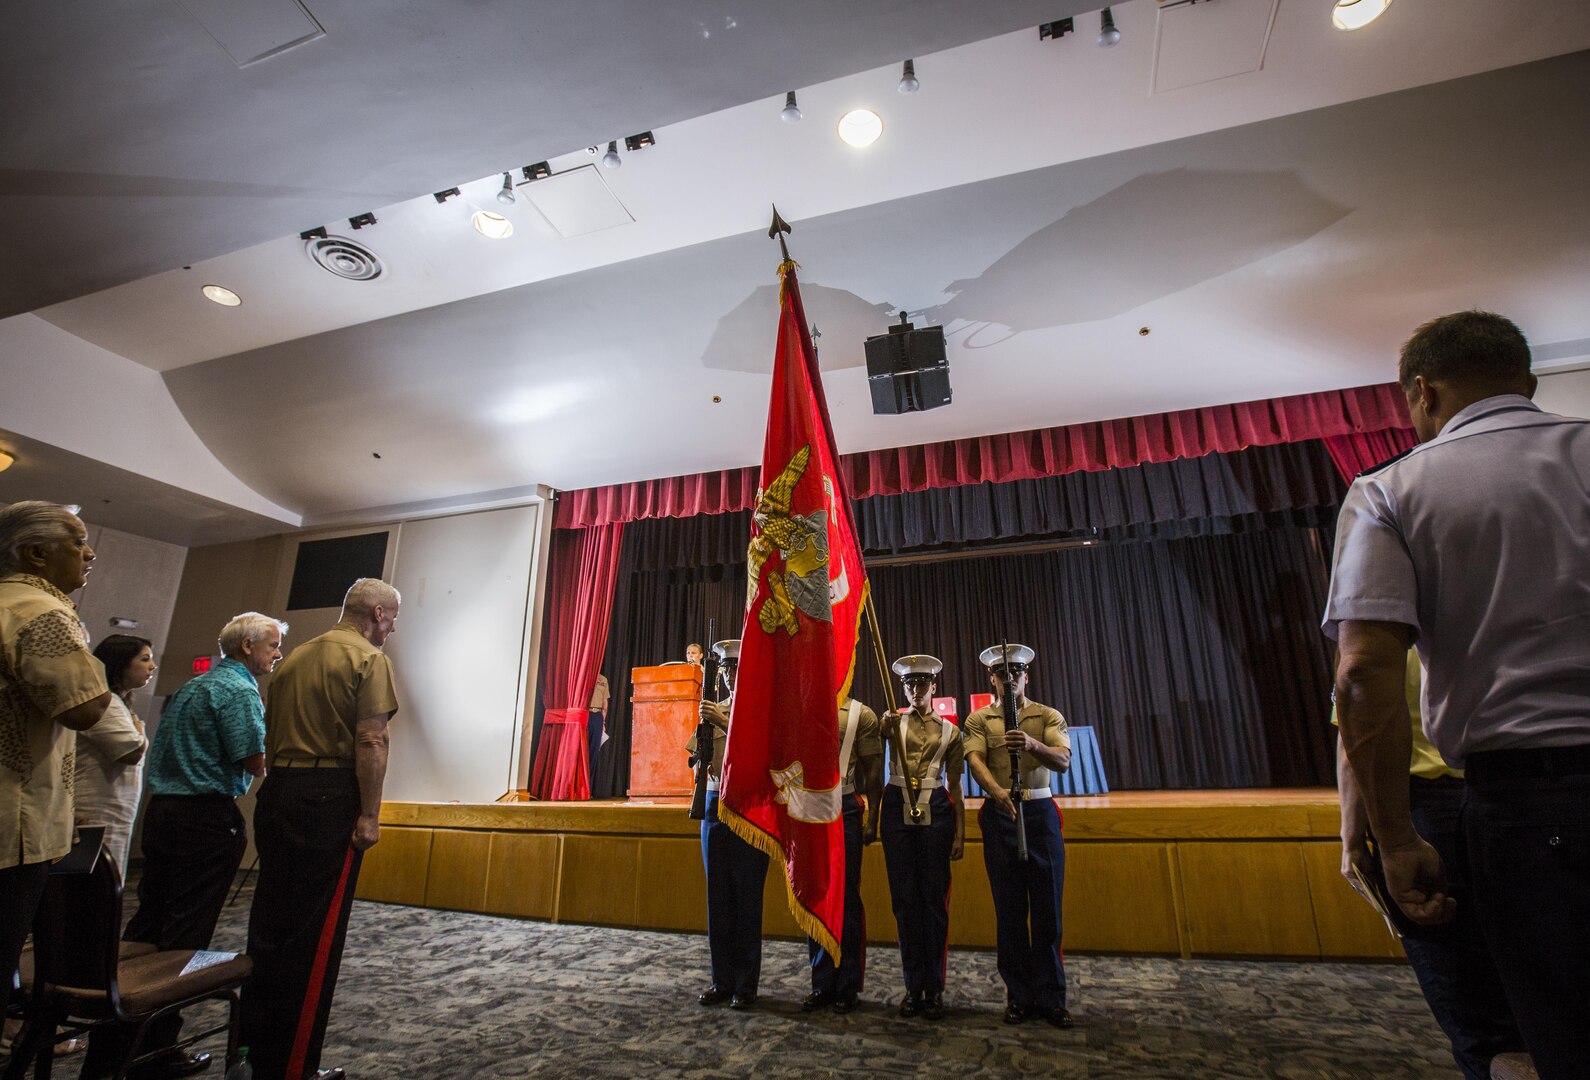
pixel 317 975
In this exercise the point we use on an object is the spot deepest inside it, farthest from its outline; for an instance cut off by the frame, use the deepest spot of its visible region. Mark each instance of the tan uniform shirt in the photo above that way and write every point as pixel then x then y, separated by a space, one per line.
pixel 985 734
pixel 868 742
pixel 921 732
pixel 45 669
pixel 599 695
pixel 321 691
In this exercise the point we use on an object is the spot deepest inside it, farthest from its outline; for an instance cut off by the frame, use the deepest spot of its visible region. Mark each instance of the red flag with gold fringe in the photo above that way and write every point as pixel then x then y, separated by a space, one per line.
pixel 806 587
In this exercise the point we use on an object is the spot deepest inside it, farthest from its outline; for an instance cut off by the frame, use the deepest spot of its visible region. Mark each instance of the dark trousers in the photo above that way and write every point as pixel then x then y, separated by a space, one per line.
pixel 192 845
pixel 845 979
pixel 1027 899
pixel 736 872
pixel 1452 961
pixel 20 890
pixel 1525 828
pixel 918 860
pixel 303 825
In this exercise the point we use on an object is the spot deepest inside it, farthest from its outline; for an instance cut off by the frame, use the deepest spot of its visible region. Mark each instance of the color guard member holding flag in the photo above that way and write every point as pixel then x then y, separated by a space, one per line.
pixel 1026 892
pixel 782 788
pixel 735 869
pixel 918 851
pixel 861 765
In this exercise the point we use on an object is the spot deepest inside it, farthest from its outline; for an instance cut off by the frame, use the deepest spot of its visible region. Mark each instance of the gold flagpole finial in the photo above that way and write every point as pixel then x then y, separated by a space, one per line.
pixel 777 229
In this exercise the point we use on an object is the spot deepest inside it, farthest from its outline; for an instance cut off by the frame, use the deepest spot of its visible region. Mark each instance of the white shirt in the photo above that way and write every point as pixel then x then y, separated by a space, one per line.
pixel 107 790
pixel 1480 541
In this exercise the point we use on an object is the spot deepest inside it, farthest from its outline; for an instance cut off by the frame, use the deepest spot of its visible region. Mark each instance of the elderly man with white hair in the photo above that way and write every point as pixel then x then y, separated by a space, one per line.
pixel 50 688
pixel 206 751
pixel 319 810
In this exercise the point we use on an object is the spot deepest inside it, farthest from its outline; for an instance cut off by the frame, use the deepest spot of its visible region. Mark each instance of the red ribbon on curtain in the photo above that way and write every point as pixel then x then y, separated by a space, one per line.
pixel 1363 450
pixel 1021 455
pixel 584 576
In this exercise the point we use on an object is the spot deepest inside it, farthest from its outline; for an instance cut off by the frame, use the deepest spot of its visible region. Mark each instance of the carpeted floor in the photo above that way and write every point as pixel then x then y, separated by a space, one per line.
pixel 434 995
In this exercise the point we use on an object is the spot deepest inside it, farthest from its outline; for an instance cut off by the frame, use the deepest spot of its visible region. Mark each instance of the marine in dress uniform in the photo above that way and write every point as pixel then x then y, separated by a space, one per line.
pixel 735 870
pixel 1026 894
pixel 860 767
pixel 918 852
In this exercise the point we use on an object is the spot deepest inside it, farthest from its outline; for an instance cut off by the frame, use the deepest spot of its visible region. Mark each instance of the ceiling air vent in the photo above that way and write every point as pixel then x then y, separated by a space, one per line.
pixel 343 257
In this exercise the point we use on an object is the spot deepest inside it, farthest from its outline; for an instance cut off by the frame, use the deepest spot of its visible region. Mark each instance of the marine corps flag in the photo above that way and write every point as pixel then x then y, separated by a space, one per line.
pixel 803 608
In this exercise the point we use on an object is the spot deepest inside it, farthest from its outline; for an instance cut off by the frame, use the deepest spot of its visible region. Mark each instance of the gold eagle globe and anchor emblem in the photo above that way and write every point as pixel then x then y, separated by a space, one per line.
pixel 802 541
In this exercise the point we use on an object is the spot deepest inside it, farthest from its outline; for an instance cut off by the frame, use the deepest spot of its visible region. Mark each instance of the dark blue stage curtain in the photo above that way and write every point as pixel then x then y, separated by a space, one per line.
pixel 1189 639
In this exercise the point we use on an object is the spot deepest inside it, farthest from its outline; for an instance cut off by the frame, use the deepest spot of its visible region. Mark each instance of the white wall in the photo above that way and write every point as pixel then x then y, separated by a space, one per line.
pixel 1567 393
pixel 460 650
pixel 133 578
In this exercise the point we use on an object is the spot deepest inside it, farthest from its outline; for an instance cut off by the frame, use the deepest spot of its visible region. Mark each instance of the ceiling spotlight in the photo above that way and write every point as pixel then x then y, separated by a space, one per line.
pixel 1108 35
pixel 908 79
pixel 1355 14
pixel 220 294
pixel 505 196
pixel 492 226
pixel 792 111
pixel 860 127
pixel 611 160
pixel 6 461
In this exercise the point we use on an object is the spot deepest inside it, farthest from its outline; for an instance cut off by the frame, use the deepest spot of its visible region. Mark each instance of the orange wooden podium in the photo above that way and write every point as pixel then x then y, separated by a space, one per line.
pixel 663 717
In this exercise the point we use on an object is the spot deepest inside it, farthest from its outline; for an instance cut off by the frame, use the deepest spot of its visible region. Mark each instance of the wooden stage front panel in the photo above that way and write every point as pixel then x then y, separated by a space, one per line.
pixel 1229 873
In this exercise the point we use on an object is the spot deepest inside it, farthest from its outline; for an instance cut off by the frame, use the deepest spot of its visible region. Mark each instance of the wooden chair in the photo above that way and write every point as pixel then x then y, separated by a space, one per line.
pixel 85 978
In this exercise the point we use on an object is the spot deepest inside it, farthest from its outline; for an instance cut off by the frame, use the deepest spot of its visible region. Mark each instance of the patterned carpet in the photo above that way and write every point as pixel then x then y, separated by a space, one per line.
pixel 434 995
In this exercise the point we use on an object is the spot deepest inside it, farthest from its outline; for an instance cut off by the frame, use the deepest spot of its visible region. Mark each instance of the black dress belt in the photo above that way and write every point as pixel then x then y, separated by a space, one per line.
pixel 310 763
pixel 1537 763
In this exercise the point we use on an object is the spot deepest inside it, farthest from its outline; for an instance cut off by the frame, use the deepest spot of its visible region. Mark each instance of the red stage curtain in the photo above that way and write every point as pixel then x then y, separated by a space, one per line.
pixel 1022 455
pixel 584 574
pixel 1362 450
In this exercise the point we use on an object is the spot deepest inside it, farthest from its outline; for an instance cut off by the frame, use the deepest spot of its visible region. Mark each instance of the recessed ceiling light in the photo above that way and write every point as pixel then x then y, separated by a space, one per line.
pixel 494 226
pixel 6 461
pixel 222 295
pixel 1355 14
pixel 860 127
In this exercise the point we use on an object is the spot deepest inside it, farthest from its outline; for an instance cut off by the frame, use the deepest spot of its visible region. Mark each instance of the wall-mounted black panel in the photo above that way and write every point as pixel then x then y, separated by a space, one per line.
pixel 325 568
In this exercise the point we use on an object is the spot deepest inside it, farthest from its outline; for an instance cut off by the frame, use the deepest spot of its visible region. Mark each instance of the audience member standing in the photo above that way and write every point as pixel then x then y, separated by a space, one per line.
pixel 110 754
pixel 206 751
pixel 50 687
pixel 1475 546
pixel 319 810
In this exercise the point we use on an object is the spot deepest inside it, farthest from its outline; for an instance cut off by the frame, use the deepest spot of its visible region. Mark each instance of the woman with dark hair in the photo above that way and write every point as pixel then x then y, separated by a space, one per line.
pixel 110 754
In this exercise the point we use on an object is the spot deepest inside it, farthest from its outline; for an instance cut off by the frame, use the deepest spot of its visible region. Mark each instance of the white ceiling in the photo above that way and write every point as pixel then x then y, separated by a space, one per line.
pixel 1279 231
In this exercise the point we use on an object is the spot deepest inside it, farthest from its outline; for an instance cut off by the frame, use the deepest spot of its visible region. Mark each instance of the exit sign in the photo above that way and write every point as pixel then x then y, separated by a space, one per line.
pixel 201 664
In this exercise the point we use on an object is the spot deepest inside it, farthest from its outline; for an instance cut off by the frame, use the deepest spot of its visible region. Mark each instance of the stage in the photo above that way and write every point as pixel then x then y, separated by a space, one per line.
pixel 1179 873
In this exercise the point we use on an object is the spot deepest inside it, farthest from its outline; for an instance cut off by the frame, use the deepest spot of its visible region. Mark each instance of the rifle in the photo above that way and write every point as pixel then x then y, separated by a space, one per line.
pixel 1007 705
pixel 706 734
pixel 913 786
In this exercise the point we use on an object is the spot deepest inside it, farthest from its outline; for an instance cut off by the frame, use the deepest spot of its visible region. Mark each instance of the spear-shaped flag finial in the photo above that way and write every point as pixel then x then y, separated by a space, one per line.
pixel 778 228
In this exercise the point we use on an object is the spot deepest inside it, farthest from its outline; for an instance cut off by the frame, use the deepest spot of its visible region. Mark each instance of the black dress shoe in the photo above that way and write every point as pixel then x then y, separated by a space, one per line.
pixel 170 1065
pixel 933 1007
pixel 742 1001
pixel 712 996
pixel 817 999
pixel 1059 1017
pixel 910 1005
pixel 1015 1014
pixel 846 1003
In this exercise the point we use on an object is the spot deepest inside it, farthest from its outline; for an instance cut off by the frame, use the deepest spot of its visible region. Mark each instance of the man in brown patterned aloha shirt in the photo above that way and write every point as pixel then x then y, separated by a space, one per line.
pixel 51 687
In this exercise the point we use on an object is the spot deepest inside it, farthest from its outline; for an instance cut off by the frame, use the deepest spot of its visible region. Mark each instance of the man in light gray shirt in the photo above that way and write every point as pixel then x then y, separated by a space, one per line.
pixel 1475 546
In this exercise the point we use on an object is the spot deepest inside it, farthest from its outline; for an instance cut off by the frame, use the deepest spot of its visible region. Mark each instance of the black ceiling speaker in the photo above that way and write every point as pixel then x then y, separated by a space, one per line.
pixel 907 370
